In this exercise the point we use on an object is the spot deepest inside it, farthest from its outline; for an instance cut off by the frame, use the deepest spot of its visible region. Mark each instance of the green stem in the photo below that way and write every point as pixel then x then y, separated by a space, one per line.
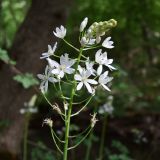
pixel 85 49
pixel 81 139
pixel 82 108
pixel 55 141
pixel 27 117
pixel 70 111
pixel 78 135
pixel 103 138
pixel 89 146
pixel 71 45
pixel 90 142
pixel 57 136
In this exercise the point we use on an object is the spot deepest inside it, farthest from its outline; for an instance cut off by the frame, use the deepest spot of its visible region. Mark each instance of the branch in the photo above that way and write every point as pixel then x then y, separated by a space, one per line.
pixel 81 140
pixel 82 107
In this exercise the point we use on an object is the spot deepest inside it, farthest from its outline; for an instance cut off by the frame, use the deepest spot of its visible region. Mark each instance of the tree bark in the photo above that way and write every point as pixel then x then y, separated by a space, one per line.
pixel 30 41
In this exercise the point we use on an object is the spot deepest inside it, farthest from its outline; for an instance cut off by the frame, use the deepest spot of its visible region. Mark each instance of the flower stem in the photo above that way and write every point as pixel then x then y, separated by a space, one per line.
pixel 52 133
pixel 81 139
pixel 27 118
pixel 71 45
pixel 68 117
pixel 89 146
pixel 103 138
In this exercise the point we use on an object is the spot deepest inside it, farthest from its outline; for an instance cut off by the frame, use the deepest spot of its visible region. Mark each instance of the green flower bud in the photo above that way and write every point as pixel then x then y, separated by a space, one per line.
pixel 100 28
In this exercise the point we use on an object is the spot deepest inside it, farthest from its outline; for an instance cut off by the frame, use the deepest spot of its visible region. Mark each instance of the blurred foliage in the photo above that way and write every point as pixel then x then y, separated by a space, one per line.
pixel 5 57
pixel 27 80
pixel 12 14
pixel 41 152
pixel 121 152
pixel 3 124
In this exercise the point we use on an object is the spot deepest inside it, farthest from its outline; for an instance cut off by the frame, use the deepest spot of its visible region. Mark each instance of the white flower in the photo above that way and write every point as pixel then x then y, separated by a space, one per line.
pixel 87 41
pixel 83 41
pixel 50 51
pixel 104 79
pixel 89 67
pixel 107 43
pixel 83 24
pixel 91 41
pixel 63 67
pixel 60 32
pixel 101 59
pixel 45 78
pixel 83 78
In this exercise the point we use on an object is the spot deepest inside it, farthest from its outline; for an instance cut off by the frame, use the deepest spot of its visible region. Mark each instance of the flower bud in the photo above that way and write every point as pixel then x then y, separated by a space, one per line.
pixel 65 106
pixel 83 24
pixel 83 41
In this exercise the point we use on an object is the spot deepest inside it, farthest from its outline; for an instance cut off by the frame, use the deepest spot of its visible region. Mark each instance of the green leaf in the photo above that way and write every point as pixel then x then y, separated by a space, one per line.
pixel 27 80
pixel 5 57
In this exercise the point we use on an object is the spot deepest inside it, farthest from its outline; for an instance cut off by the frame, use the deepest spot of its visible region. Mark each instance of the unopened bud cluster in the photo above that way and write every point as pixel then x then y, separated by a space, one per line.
pixel 102 27
pixel 98 29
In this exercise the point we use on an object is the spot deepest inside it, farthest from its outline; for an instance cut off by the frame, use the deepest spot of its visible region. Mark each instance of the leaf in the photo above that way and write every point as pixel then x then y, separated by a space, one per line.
pixel 5 57
pixel 27 80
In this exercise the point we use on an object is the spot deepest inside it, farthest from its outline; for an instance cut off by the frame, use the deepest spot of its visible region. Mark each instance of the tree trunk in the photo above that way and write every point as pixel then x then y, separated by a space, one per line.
pixel 30 41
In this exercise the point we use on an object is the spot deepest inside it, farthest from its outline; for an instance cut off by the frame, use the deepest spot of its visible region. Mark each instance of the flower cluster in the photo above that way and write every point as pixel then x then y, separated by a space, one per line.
pixel 84 71
pixel 88 73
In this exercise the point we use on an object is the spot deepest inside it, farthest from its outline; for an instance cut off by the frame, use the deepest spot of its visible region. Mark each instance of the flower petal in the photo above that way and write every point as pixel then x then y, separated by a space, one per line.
pixel 79 86
pixel 52 63
pixel 80 69
pixel 88 87
pixel 55 71
pixel 52 79
pixel 105 87
pixel 41 76
pixel 98 53
pixel 61 74
pixel 77 77
pixel 92 81
pixel 69 70
pixel 99 70
pixel 109 61
pixel 111 67
pixel 83 24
